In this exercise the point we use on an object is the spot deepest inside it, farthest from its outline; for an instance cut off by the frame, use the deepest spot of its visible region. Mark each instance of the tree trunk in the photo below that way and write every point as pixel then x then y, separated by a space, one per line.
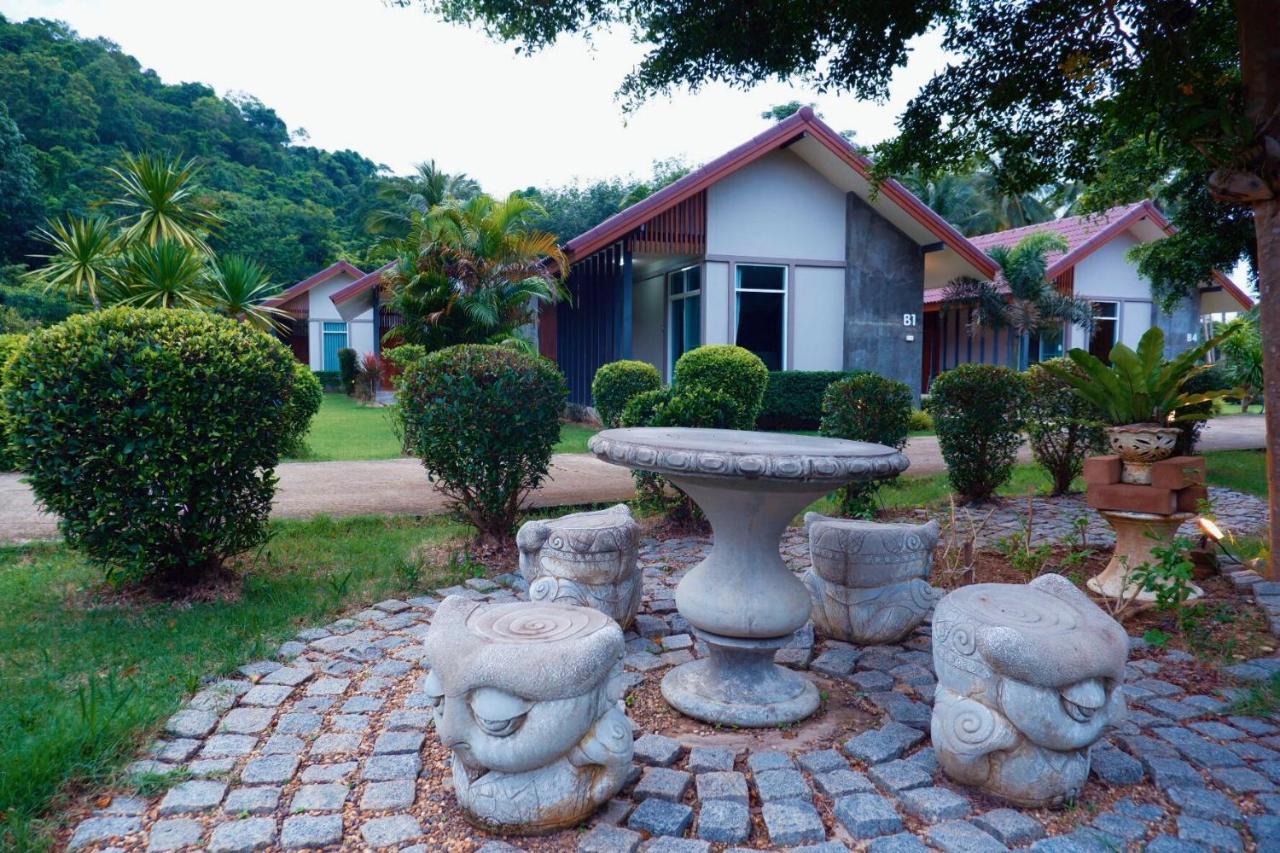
pixel 1266 221
pixel 1259 33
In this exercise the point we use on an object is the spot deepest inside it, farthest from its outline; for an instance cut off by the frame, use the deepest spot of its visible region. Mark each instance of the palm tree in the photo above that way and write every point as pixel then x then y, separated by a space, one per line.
pixel 477 272
pixel 1002 210
pixel 159 201
pixel 167 274
pixel 239 288
pixel 83 252
pixel 1021 299
pixel 426 188
pixel 952 196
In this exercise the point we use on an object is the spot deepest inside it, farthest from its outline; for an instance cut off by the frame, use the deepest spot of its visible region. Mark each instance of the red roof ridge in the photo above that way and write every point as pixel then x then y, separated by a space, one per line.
pixel 360 285
pixel 314 279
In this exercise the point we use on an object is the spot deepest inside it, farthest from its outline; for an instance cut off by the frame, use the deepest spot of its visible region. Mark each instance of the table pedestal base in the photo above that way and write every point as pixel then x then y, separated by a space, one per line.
pixel 738 684
pixel 1136 534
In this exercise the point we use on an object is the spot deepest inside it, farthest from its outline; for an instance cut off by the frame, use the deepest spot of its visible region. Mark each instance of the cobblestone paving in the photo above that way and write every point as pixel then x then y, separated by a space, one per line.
pixel 1055 519
pixel 320 748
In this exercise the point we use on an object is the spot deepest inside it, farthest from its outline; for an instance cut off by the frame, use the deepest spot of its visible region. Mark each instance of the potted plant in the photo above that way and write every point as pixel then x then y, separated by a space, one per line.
pixel 1139 394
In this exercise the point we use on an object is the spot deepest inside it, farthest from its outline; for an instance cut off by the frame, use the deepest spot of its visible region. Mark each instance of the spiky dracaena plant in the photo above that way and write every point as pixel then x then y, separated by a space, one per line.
pixel 239 288
pixel 1139 387
pixel 159 200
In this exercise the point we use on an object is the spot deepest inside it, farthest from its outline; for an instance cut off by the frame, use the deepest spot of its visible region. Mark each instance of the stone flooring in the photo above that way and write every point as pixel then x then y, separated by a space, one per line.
pixel 330 746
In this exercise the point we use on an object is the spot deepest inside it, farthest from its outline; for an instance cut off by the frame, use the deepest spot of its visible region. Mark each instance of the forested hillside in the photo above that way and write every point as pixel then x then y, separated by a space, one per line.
pixel 78 104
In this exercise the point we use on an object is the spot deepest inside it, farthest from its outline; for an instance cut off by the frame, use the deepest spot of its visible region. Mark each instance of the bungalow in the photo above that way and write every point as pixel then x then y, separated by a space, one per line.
pixel 782 246
pixel 336 308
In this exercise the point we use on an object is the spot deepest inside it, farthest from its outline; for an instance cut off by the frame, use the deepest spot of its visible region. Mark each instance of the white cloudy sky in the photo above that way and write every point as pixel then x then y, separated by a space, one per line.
pixel 399 86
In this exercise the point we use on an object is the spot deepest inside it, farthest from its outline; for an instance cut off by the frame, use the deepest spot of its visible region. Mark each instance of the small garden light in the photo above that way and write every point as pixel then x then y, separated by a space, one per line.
pixel 1214 532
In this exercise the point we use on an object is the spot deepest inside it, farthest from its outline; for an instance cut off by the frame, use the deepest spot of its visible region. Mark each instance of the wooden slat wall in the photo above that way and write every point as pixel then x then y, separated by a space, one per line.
pixel 681 230
pixel 587 331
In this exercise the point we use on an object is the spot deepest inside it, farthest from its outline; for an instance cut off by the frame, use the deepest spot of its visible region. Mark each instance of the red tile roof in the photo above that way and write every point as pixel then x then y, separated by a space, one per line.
pixel 317 278
pixel 366 281
pixel 789 129
pixel 1085 235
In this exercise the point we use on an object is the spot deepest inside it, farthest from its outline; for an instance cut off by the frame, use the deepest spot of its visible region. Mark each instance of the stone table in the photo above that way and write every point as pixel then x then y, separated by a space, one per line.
pixel 741 599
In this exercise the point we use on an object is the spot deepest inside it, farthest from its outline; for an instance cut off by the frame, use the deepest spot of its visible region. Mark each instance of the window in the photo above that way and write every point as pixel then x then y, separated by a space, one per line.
pixel 1044 345
pixel 760 310
pixel 684 307
pixel 1106 329
pixel 334 338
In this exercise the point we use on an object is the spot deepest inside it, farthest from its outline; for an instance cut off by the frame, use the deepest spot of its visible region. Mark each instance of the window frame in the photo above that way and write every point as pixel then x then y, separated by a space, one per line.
pixel 671 299
pixel 784 292
pixel 325 332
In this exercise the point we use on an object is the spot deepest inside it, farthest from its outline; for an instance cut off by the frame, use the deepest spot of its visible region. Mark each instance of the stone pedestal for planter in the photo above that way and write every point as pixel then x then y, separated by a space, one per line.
pixel 1136 534
pixel 527 697
pixel 1029 677
pixel 869 581
pixel 742 600
pixel 587 559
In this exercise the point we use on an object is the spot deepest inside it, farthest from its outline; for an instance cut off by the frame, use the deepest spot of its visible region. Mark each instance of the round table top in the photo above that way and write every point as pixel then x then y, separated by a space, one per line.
pixel 740 454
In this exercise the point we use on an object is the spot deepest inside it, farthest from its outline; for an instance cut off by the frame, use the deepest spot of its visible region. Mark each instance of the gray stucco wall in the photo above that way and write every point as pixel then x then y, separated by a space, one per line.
pixel 1182 321
pixel 884 280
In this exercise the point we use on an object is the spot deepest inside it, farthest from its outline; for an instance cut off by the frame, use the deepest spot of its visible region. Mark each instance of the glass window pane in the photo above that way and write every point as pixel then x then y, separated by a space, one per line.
pixel 693 279
pixel 692 323
pixel 1050 344
pixel 760 326
pixel 1106 309
pixel 675 283
pixel 676 336
pixel 761 278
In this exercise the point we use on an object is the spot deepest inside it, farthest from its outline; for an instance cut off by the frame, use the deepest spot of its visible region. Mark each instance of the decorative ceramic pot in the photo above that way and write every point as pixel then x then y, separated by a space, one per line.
pixel 1139 445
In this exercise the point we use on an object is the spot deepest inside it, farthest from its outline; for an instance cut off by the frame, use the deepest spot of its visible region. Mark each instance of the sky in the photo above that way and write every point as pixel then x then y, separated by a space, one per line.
pixel 400 86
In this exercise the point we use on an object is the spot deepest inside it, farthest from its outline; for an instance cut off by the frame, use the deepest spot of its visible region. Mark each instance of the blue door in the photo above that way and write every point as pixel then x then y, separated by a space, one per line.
pixel 334 339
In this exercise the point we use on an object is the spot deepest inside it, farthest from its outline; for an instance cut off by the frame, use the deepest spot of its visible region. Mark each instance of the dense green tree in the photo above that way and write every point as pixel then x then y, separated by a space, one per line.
pixel 20 203
pixel 1115 95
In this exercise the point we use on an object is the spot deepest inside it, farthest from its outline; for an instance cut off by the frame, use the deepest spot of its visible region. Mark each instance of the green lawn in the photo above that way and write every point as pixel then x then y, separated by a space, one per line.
pixel 344 430
pixel 86 681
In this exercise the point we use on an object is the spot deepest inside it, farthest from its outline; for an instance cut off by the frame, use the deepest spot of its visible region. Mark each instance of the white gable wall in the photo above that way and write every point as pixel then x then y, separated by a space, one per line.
pixel 1108 276
pixel 321 309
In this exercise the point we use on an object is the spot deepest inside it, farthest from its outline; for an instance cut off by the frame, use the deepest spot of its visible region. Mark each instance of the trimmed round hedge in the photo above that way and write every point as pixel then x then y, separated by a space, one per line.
pixel 616 383
pixel 483 420
pixel 1062 426
pixel 978 411
pixel 727 369
pixel 152 434
pixel 866 407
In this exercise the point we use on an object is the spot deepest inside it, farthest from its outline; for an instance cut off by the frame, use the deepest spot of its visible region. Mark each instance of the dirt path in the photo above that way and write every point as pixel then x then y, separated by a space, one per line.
pixel 398 486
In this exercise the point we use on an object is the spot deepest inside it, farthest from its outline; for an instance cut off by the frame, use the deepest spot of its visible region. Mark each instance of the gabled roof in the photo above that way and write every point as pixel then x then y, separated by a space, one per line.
pixel 796 126
pixel 1085 235
pixel 367 281
pixel 313 280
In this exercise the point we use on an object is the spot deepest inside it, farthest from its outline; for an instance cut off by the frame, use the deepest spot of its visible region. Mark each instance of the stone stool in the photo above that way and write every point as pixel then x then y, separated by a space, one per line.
pixel 587 558
pixel 1029 676
pixel 869 581
pixel 527 697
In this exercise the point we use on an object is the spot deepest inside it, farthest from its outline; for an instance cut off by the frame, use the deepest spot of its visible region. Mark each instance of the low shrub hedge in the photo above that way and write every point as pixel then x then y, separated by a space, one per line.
pixel 329 380
pixel 978 412
pixel 302 406
pixel 616 383
pixel 8 350
pixel 153 435
pixel 1062 426
pixel 348 369
pixel 727 369
pixel 483 420
pixel 866 406
pixel 793 399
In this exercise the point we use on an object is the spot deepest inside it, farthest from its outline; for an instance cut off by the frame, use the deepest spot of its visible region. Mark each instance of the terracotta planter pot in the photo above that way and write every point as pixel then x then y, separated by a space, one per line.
pixel 1138 446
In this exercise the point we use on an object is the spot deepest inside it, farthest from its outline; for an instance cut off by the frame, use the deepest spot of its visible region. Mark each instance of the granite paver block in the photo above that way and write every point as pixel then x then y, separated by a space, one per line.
pixel 269 769
pixel 660 817
pixel 1242 780
pixel 664 784
pixel 228 746
pixel 388 796
pixel 1009 826
pixel 867 815
pixel 350 722
pixel 196 795
pixel 335 743
pixel 1168 772
pixel 290 676
pixel 823 761
pixel 958 836
pixel 299 723
pixel 97 829
pixel 779 785
pixel 722 786
pixel 873 747
pixel 327 772
pixel 1215 836
pixel 408 720
pixel 282 744
pixel 266 695
pixel 835 662
pixel 935 804
pixel 254 800
pixel 396 743
pixel 898 776
pixel 724 821
pixel 840 783
pixel 667 844
pixel 322 797
pixel 793 822
pixel 174 833
pixel 903 842
pixel 1168 844
pixel 759 762
pixel 1111 765
pixel 657 750
pixel 328 686
pixel 610 839
pixel 1127 829
pixel 303 831
pixel 704 759
pixel 246 721
pixel 1204 803
pixel 389 831
pixel 363 704
pixel 242 836
pixel 191 722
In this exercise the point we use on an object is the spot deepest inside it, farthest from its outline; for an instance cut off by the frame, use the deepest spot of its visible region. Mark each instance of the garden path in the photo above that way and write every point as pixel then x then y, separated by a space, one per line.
pixel 331 744
pixel 397 486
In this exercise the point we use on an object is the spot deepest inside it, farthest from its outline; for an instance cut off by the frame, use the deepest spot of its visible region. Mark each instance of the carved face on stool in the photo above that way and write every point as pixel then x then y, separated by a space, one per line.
pixel 587 558
pixel 1028 680
pixel 526 696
